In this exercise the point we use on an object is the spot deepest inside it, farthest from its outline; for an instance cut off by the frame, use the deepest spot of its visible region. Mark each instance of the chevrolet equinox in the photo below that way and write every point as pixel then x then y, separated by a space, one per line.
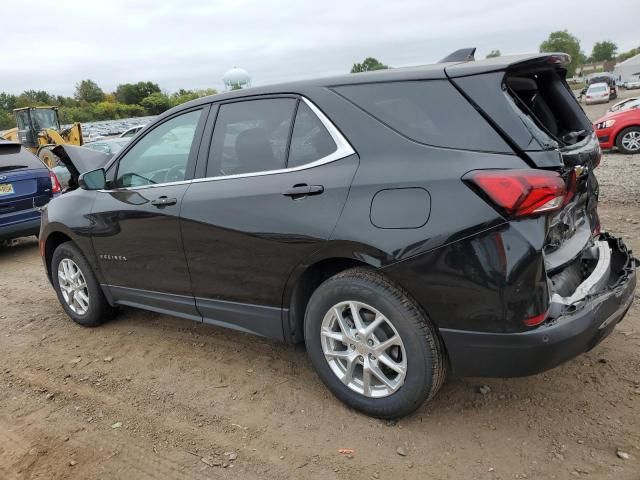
pixel 401 223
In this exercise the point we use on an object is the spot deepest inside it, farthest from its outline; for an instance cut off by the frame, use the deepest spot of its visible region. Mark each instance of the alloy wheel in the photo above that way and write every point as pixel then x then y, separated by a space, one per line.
pixel 363 349
pixel 73 286
pixel 631 141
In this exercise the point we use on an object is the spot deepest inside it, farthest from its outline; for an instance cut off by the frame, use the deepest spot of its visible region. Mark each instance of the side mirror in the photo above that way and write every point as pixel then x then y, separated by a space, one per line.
pixel 93 180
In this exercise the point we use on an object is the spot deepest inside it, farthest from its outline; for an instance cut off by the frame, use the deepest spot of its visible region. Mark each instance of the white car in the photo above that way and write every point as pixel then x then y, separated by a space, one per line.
pixel 632 84
pixel 597 93
pixel 130 132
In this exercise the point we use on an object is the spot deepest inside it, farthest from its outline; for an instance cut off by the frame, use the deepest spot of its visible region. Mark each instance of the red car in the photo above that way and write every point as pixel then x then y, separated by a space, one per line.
pixel 620 129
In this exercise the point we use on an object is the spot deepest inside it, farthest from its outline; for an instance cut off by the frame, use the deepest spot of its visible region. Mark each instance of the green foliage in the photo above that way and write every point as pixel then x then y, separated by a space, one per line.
pixel 183 96
pixel 88 91
pixel 34 98
pixel 6 120
pixel 156 103
pixel 133 93
pixel 7 101
pixel 563 41
pixel 90 103
pixel 627 55
pixel 494 53
pixel 603 51
pixel 367 65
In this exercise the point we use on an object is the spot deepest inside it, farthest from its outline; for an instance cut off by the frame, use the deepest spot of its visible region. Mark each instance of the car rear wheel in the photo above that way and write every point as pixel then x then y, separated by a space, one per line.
pixel 78 290
pixel 628 140
pixel 372 345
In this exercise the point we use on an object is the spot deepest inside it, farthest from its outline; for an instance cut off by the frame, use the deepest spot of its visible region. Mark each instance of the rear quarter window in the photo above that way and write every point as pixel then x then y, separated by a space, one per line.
pixel 431 112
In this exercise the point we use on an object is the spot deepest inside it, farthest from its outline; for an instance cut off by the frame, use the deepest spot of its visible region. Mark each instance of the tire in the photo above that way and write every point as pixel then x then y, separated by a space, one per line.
pixel 97 308
pixel 629 133
pixel 49 158
pixel 420 349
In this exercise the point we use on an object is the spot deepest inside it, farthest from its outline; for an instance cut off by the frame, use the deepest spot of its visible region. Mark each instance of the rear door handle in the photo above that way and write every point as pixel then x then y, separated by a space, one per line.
pixel 303 190
pixel 164 201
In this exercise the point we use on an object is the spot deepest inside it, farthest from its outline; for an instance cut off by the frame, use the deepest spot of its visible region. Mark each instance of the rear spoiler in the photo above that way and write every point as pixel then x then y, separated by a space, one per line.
pixel 523 61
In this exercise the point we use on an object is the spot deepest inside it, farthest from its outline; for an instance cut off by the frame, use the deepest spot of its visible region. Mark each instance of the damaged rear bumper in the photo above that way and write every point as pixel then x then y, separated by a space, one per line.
pixel 577 323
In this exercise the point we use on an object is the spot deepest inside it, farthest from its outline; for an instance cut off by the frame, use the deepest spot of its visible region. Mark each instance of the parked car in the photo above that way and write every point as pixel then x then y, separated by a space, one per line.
pixel 620 129
pixel 632 84
pixel 597 93
pixel 110 146
pixel 609 79
pixel 26 185
pixel 130 132
pixel 402 223
pixel 632 102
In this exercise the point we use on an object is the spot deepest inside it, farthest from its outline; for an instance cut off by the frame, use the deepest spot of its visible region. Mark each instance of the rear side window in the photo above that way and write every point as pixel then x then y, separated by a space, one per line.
pixel 544 98
pixel 310 140
pixel 251 136
pixel 432 112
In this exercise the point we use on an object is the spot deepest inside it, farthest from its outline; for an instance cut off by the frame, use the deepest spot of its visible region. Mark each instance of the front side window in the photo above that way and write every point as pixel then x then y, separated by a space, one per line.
pixel 310 140
pixel 251 136
pixel 160 156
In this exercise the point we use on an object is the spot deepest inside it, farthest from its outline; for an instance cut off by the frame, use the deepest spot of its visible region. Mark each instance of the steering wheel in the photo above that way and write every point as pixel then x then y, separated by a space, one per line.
pixel 175 174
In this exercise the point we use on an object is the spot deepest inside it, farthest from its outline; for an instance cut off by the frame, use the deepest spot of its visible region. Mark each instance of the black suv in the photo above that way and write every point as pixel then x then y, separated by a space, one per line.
pixel 400 223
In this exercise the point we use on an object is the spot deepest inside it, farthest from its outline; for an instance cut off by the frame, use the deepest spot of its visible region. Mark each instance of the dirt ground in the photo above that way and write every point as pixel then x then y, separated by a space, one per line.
pixel 149 396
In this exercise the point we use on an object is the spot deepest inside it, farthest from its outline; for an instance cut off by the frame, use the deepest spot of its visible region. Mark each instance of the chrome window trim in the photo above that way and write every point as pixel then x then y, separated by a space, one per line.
pixel 343 150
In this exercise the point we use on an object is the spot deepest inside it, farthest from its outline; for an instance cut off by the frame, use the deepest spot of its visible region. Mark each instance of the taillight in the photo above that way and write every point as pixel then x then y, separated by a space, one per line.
pixel 535 321
pixel 520 193
pixel 55 184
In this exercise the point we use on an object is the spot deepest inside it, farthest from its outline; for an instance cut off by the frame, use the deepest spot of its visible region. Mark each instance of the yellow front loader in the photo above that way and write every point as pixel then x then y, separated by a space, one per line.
pixel 38 129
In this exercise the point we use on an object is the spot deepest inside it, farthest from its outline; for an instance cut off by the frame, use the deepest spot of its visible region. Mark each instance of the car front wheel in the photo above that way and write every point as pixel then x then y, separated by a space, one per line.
pixel 372 345
pixel 628 140
pixel 77 288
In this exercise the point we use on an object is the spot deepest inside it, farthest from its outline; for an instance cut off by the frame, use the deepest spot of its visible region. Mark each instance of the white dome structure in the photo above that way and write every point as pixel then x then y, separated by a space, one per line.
pixel 236 78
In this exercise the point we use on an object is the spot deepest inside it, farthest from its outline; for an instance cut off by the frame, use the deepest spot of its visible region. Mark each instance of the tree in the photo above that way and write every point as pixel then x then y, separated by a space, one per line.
pixel 156 103
pixel 603 51
pixel 563 41
pixel 133 93
pixel 183 96
pixel 493 54
pixel 367 65
pixel 30 98
pixel 6 120
pixel 88 91
pixel 7 101
pixel 628 54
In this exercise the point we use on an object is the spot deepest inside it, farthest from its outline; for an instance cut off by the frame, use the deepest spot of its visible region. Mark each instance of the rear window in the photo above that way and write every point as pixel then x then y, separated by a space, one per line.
pixel 546 100
pixel 15 157
pixel 598 89
pixel 432 112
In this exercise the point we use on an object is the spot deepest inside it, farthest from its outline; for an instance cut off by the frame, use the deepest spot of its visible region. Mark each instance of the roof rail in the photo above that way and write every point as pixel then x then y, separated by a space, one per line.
pixel 462 55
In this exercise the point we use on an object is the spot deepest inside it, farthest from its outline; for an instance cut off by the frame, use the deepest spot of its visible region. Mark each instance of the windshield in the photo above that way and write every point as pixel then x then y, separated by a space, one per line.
pixel 44 118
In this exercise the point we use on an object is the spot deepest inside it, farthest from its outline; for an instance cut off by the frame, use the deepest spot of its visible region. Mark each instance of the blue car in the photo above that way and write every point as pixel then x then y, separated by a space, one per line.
pixel 26 185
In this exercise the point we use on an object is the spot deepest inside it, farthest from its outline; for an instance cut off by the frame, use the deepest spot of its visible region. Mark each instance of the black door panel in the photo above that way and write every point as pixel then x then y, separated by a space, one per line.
pixel 243 237
pixel 138 243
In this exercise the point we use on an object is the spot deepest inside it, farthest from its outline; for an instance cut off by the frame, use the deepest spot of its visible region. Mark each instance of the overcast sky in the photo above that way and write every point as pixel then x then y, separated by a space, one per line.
pixel 190 44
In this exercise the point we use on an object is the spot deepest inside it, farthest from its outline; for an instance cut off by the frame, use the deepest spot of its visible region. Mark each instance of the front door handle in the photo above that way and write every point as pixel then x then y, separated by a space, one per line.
pixel 164 201
pixel 303 190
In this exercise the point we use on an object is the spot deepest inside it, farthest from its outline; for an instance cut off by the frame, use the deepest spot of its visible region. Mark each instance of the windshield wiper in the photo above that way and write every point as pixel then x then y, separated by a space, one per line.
pixel 5 168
